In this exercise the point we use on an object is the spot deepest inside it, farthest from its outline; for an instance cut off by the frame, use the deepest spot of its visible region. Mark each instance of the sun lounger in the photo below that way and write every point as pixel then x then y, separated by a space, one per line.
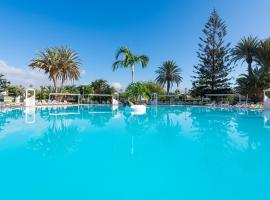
pixel 44 103
pixel 38 103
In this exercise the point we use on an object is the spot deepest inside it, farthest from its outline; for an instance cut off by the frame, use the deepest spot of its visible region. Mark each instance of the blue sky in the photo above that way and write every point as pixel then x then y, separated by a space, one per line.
pixel 162 30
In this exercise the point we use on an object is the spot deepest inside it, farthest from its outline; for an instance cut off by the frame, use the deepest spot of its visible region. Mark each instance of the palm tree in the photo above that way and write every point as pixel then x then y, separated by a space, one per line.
pixel 47 61
pixel 129 60
pixel 69 64
pixel 254 85
pixel 246 50
pixel 263 55
pixel 168 73
pixel 60 63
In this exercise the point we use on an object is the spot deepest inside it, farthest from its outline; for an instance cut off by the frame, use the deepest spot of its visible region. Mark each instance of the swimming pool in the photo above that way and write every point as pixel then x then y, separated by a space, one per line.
pixel 91 152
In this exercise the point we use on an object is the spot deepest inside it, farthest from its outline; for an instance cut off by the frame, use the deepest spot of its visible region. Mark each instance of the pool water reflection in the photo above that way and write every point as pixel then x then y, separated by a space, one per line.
pixel 100 152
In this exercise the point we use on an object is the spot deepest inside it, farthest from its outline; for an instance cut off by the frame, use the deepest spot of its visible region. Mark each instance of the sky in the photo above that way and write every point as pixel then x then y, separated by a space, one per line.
pixel 163 30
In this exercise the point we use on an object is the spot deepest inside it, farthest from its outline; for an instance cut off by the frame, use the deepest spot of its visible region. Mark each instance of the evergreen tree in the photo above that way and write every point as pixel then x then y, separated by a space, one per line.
pixel 212 72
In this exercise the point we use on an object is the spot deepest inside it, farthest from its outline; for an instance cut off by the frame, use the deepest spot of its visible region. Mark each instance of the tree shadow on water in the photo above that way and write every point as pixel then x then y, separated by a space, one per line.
pixel 59 140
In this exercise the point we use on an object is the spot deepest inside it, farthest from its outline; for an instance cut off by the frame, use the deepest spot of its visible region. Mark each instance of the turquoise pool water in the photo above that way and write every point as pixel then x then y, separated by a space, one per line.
pixel 169 153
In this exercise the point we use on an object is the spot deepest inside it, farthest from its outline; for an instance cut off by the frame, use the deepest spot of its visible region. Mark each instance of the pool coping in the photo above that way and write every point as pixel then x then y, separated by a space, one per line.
pixel 70 105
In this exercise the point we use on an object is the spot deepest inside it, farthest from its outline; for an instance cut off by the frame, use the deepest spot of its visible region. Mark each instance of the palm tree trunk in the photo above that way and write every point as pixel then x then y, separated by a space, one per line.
pixel 132 71
pixel 54 85
pixel 62 84
pixel 62 88
pixel 168 87
pixel 250 71
pixel 251 80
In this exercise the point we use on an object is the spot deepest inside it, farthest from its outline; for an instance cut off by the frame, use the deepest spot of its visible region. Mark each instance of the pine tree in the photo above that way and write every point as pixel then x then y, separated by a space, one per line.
pixel 212 72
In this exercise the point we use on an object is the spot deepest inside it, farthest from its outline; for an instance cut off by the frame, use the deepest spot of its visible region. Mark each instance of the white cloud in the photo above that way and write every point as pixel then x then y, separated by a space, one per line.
pixel 25 77
pixel 117 86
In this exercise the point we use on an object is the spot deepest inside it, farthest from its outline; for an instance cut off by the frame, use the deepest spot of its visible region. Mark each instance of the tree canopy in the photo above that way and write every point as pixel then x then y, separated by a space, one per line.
pixel 168 74
pixel 4 83
pixel 60 63
pixel 211 75
pixel 136 90
pixel 129 59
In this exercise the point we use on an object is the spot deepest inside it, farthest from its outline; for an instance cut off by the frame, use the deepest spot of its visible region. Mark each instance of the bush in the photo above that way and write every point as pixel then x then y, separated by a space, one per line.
pixel 229 99
pixel 154 88
pixel 101 86
pixel 177 91
pixel 135 91
pixel 15 90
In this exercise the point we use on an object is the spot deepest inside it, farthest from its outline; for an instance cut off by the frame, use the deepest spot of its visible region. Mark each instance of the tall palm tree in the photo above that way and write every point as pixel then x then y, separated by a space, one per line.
pixel 60 63
pixel 246 50
pixel 47 60
pixel 129 60
pixel 69 64
pixel 263 55
pixel 169 73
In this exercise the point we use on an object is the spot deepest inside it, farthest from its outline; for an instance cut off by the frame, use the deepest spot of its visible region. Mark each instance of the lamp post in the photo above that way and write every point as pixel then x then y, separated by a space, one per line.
pixel 83 87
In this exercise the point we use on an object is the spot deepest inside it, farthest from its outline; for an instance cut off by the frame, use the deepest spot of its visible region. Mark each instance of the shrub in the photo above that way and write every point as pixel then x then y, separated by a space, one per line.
pixel 135 91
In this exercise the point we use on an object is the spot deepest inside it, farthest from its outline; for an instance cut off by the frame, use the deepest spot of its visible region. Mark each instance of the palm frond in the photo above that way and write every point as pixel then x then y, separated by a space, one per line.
pixel 168 73
pixel 118 64
pixel 128 59
pixel 245 49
